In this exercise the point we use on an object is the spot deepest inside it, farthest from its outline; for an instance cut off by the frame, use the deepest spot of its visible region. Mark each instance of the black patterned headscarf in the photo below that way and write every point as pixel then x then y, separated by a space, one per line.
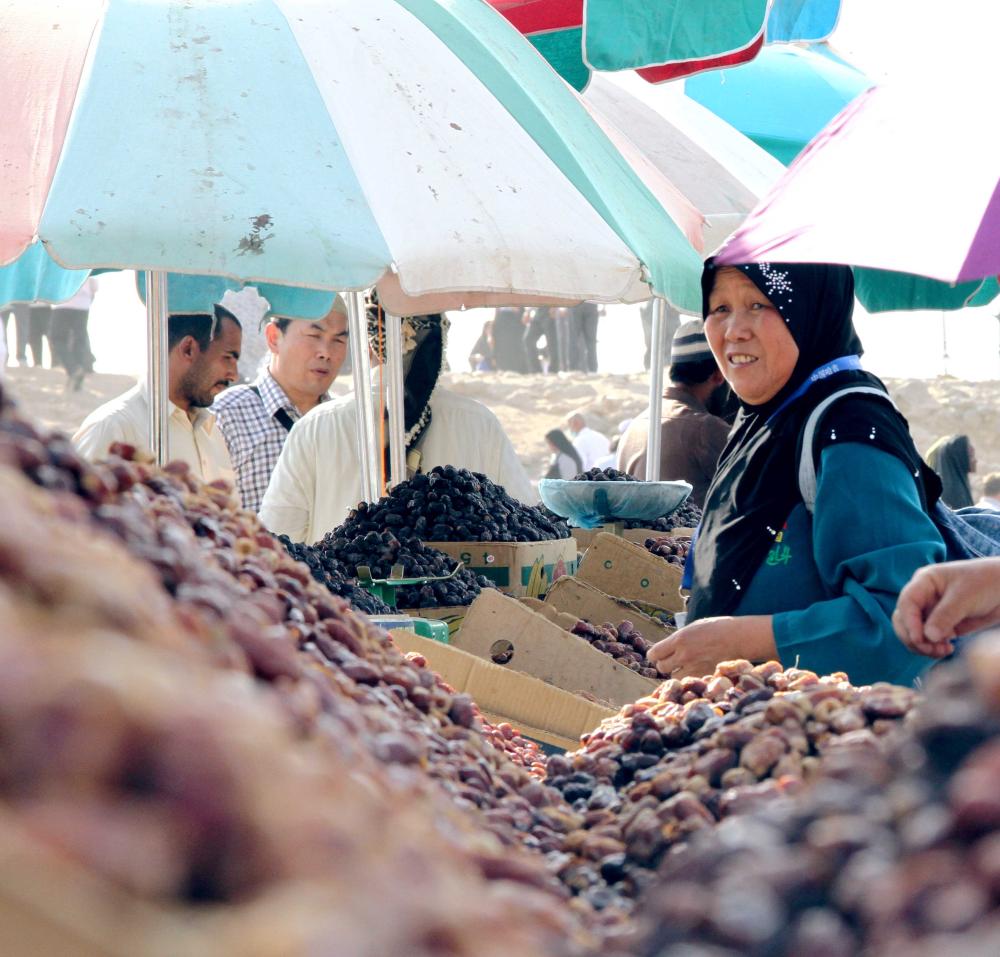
pixel 755 486
pixel 425 339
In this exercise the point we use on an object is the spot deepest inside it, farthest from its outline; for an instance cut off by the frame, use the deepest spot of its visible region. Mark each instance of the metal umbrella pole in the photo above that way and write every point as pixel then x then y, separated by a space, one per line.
pixel 157 365
pixel 368 450
pixel 394 385
pixel 656 355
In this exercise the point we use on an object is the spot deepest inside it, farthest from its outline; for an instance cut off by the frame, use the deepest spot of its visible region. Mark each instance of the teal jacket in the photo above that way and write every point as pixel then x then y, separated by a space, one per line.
pixel 832 578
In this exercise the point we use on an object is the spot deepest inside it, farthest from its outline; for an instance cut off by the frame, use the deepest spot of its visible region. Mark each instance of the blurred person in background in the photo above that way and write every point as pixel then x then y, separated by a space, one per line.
pixel 69 338
pixel 565 461
pixel 588 314
pixel 305 356
pixel 203 354
pixel 590 443
pixel 538 323
pixel 954 459
pixel 508 339
pixel 482 357
pixel 691 437
pixel 991 492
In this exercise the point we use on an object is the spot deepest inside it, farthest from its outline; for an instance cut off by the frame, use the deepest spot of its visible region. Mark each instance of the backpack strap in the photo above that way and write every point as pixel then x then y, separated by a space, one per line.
pixel 807 462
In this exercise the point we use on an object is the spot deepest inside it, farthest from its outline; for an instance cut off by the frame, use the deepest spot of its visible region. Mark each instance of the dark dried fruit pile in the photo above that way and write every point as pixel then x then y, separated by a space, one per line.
pixel 672 550
pixel 622 642
pixel 695 751
pixel 604 475
pixel 889 852
pixel 687 515
pixel 452 505
pixel 380 551
pixel 335 576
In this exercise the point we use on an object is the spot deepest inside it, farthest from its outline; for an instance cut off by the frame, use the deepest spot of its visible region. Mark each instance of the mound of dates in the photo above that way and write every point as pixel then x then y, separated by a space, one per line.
pixel 672 550
pixel 335 577
pixel 452 505
pixel 604 475
pixel 380 551
pixel 696 751
pixel 687 515
pixel 888 852
pixel 622 642
pixel 244 606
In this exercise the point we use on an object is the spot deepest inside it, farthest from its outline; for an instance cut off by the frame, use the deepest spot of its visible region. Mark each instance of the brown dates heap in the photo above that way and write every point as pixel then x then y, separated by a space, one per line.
pixel 622 642
pixel 695 751
pixel 888 852
pixel 217 592
pixel 672 550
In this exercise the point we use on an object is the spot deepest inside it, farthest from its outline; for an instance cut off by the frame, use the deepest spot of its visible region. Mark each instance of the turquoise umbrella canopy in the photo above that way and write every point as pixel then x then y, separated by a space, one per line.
pixel 782 99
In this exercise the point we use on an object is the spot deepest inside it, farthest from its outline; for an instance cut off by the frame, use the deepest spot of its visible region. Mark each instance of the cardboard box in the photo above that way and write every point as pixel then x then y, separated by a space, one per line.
pixel 452 614
pixel 541 712
pixel 540 648
pixel 517 568
pixel 575 598
pixel 625 570
pixel 585 536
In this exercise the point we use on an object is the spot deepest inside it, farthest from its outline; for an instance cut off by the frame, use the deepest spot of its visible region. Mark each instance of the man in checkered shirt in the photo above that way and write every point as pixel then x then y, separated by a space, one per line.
pixel 305 357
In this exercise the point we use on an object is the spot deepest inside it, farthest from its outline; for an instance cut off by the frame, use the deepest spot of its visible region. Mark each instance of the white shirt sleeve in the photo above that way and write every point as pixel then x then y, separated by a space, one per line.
pixel 287 506
pixel 94 437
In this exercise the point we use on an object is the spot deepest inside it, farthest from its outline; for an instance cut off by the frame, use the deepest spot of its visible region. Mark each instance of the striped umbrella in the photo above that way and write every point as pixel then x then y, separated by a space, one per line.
pixel 719 170
pixel 665 40
pixel 430 154
pixel 887 186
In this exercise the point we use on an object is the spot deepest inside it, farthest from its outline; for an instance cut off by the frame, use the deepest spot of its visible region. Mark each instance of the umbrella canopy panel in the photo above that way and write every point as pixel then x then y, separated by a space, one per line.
pixel 430 151
pixel 718 169
pixel 782 99
pixel 876 189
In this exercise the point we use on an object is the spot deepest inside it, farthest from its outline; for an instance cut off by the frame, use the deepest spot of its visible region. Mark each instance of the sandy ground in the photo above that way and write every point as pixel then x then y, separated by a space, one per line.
pixel 528 406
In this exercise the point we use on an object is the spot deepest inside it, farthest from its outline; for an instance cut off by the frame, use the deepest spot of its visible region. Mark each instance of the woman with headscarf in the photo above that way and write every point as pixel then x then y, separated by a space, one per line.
pixel 769 577
pixel 953 458
pixel 565 462
pixel 317 480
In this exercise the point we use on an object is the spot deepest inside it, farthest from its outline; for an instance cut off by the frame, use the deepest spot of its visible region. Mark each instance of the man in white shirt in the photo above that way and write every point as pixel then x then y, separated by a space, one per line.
pixel 203 354
pixel 305 358
pixel 589 444
pixel 317 479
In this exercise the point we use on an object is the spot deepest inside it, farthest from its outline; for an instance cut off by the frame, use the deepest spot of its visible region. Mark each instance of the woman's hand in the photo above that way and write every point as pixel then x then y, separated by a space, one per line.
pixel 695 650
pixel 944 601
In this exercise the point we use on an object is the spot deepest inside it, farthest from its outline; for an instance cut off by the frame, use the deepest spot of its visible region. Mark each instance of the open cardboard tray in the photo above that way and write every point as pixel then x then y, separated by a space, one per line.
pixel 539 711
pixel 585 536
pixel 625 570
pixel 544 650
pixel 517 568
pixel 578 599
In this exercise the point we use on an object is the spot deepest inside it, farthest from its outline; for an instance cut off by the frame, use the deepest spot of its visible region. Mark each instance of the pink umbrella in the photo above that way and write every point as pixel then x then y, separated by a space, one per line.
pixel 905 179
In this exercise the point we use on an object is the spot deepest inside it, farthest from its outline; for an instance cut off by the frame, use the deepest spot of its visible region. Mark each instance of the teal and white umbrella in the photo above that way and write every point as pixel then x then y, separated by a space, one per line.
pixel 419 146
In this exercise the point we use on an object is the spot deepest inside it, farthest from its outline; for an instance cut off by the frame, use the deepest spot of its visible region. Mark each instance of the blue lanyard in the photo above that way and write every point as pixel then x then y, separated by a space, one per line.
pixel 843 364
